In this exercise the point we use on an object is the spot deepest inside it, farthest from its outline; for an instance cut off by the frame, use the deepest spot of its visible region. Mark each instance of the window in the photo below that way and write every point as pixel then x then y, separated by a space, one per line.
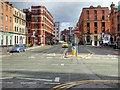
pixel 15 12
pixel 23 30
pixel 20 21
pixel 36 18
pixel 20 15
pixel 2 40
pixel 11 10
pixel 17 20
pixel 103 12
pixel 15 28
pixel 103 17
pixel 95 12
pixel 10 19
pixel 35 25
pixel 35 11
pixel 6 17
pixel 10 40
pixel 1 27
pixel 112 20
pixel 6 7
pixel 87 18
pixel 95 17
pixel 95 24
pixel 87 11
pixel 17 39
pixel 6 28
pixel 103 24
pixel 42 24
pixel 88 25
pixel 1 16
pixel 20 29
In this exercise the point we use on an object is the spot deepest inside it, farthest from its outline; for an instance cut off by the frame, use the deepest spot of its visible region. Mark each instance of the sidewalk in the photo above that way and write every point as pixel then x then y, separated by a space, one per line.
pixel 4 50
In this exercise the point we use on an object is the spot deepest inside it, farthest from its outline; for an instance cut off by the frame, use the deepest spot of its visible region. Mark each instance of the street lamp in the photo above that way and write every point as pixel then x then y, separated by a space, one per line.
pixel 70 28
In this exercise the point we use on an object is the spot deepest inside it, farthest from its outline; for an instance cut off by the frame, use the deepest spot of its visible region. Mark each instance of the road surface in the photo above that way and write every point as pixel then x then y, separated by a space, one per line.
pixel 47 68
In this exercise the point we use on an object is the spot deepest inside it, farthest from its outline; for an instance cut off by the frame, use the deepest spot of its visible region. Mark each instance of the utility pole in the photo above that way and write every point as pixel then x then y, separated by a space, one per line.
pixel 70 28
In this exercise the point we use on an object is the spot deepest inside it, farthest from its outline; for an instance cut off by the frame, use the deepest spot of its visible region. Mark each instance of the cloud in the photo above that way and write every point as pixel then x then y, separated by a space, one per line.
pixel 67 12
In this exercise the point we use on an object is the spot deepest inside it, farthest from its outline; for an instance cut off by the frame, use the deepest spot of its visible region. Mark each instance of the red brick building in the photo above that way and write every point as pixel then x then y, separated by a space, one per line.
pixel 42 24
pixel 6 24
pixel 114 21
pixel 65 34
pixel 92 22
pixel 28 25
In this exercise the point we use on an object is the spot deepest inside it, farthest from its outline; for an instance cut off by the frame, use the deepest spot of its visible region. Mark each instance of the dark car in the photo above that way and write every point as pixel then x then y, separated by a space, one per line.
pixel 18 48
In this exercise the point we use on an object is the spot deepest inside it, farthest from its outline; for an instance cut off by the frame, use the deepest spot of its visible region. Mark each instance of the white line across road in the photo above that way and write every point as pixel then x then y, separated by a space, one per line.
pixel 34 79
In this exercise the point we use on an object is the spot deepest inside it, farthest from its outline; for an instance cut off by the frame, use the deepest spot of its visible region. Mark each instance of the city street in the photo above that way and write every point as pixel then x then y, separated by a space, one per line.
pixel 46 67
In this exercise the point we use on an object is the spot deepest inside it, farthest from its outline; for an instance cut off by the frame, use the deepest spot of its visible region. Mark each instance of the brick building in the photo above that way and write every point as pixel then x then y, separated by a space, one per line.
pixel 65 35
pixel 42 25
pixel 6 24
pixel 114 21
pixel 28 25
pixel 92 22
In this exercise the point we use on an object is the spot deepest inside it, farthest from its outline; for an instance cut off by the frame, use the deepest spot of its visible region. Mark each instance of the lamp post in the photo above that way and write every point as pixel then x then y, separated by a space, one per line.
pixel 70 28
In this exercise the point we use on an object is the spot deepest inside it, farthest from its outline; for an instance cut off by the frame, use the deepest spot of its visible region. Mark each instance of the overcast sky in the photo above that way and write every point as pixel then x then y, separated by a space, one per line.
pixel 65 11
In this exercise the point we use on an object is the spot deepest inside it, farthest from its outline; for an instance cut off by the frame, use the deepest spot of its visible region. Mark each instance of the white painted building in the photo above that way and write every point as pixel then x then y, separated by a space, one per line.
pixel 19 26
pixel 57 30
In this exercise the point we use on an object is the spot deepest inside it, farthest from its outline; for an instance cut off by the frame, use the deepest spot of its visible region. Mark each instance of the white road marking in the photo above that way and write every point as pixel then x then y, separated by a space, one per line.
pixel 35 79
pixel 62 64
pixel 28 82
pixel 57 79
pixel 7 82
pixel 50 83
pixel 48 57
pixel 6 78
pixel 31 57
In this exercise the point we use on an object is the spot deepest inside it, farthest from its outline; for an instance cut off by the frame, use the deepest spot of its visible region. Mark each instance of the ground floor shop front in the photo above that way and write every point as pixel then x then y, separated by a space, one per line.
pixel 10 39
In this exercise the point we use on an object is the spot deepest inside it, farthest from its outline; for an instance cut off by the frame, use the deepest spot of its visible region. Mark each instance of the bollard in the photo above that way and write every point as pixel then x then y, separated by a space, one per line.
pixel 73 50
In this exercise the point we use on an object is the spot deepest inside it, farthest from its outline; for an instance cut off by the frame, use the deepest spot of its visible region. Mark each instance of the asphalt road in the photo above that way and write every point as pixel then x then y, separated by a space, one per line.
pixel 45 67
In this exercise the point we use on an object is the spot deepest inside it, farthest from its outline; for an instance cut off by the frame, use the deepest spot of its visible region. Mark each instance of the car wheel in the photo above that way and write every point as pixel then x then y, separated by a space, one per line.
pixel 24 50
pixel 19 51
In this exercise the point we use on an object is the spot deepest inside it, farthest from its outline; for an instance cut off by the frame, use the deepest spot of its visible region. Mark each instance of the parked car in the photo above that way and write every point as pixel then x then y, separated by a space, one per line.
pixel 18 48
pixel 64 45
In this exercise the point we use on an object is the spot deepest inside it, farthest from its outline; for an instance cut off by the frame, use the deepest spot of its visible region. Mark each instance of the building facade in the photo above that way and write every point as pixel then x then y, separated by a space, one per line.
pixel 42 25
pixel 19 26
pixel 57 30
pixel 28 25
pixel 114 21
pixel 92 22
pixel 6 24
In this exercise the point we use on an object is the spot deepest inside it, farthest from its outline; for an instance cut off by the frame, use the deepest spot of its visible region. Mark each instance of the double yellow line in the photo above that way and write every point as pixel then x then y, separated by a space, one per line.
pixel 71 84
